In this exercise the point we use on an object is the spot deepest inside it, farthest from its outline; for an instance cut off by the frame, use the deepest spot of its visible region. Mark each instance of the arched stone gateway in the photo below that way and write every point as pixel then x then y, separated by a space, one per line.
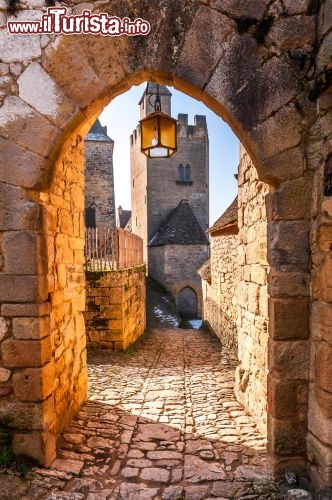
pixel 187 303
pixel 254 64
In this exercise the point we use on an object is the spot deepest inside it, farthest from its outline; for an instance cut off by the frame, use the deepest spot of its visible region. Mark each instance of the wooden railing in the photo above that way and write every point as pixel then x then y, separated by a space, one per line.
pixel 111 249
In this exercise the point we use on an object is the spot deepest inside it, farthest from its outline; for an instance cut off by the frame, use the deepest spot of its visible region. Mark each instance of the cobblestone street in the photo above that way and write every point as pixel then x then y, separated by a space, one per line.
pixel 161 423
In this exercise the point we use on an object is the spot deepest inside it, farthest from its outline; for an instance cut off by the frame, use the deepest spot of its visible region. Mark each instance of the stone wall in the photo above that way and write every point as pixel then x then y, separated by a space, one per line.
pixel 319 441
pixel 99 183
pixel 251 292
pixel 43 373
pixel 195 46
pixel 115 314
pixel 236 301
pixel 175 267
pixel 219 297
pixel 138 172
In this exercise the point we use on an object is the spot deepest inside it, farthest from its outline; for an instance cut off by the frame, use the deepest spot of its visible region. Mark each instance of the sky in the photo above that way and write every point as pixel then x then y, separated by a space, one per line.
pixel 121 117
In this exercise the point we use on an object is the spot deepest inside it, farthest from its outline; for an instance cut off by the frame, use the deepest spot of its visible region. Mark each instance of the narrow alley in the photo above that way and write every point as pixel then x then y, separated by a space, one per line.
pixel 161 422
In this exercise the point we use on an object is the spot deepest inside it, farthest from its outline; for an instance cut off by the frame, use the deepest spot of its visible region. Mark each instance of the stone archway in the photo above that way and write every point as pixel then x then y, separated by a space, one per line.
pixel 187 303
pixel 244 65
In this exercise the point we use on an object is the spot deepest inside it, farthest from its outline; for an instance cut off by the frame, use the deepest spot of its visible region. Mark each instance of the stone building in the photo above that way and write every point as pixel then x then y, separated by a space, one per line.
pixel 160 184
pixel 235 295
pixel 175 252
pixel 265 68
pixel 124 218
pixel 219 277
pixel 99 182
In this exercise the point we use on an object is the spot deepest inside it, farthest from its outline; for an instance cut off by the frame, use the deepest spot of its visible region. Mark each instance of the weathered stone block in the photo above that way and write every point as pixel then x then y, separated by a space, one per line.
pixel 28 165
pixel 287 437
pixel 34 384
pixel 205 50
pixel 296 6
pixel 241 8
pixel 3 328
pixel 16 211
pixel 283 397
pixel 292 200
pixel 31 328
pixel 320 455
pixel 23 288
pixel 19 47
pixel 258 274
pixel 273 168
pixel 321 321
pixel 40 446
pixel 288 284
pixel 271 87
pixel 24 353
pixel 289 318
pixel 4 375
pixel 21 124
pixel 324 291
pixel 323 366
pixel 39 90
pixel 28 416
pixel 286 251
pixel 24 253
pixel 276 134
pixel 252 253
pixel 34 310
pixel 325 237
pixel 289 359
pixel 89 89
pixel 293 32
pixel 320 414
pixel 228 77
pixel 327 207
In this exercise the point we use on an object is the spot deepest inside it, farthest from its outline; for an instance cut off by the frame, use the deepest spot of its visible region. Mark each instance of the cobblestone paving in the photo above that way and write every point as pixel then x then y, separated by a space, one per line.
pixel 161 423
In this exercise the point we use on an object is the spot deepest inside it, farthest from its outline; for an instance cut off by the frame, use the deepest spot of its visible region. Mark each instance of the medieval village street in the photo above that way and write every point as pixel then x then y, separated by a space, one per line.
pixel 162 423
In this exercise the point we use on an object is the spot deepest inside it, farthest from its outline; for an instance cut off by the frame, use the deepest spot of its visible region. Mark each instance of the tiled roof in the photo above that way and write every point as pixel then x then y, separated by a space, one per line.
pixel 98 133
pixel 180 228
pixel 124 216
pixel 205 271
pixel 229 217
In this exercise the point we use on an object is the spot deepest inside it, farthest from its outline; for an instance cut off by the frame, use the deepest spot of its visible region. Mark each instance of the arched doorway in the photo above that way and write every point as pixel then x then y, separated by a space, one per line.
pixel 187 303
pixel 213 56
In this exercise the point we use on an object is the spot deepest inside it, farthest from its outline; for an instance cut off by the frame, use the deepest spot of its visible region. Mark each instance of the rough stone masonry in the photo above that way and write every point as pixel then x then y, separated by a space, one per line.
pixel 263 66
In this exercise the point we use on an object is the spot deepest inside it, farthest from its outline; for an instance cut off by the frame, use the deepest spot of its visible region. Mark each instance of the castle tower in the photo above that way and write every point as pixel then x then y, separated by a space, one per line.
pixel 99 183
pixel 159 184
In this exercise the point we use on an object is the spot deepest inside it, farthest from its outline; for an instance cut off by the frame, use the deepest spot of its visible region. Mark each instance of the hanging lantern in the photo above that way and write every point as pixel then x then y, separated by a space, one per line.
pixel 158 133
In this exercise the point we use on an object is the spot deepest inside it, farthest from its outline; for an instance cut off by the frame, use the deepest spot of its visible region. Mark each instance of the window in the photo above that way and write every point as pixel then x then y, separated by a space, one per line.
pixel 184 175
pixel 180 172
pixel 187 173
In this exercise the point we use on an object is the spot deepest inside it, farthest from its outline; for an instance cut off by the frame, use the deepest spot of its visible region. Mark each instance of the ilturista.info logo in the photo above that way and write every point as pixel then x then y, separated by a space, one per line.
pixel 56 21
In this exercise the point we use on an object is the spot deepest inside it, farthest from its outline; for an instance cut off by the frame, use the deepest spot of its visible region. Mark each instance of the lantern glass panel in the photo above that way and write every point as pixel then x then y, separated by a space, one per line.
pixel 149 131
pixel 167 132
pixel 158 153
